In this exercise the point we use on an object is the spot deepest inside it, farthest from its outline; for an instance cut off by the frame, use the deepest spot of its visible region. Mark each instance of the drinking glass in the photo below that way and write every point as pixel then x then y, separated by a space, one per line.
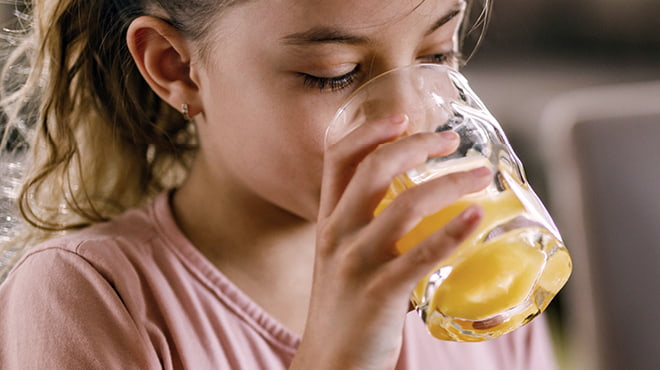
pixel 508 270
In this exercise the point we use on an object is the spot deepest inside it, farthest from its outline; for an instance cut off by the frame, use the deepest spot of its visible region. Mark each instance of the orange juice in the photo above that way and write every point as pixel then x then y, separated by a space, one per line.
pixel 501 277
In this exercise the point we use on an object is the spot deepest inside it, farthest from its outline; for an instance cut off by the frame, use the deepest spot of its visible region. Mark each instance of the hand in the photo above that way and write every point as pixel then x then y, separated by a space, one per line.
pixel 361 284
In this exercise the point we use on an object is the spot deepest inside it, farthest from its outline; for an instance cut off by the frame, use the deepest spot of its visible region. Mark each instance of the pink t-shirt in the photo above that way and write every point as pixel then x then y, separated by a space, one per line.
pixel 133 293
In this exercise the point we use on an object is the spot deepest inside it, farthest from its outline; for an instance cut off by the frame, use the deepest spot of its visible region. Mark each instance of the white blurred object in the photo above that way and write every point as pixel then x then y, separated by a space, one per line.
pixel 602 152
pixel 11 172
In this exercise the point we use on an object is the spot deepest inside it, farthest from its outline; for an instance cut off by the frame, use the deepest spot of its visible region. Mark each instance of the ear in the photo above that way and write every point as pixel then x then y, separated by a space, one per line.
pixel 162 55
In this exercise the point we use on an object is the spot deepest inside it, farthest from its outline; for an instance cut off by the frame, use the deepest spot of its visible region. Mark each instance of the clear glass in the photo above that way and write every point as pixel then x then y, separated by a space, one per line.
pixel 507 272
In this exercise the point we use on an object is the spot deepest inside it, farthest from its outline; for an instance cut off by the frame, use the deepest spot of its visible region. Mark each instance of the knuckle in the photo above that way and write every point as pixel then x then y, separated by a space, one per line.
pixel 425 140
pixel 326 238
pixel 352 262
pixel 378 289
pixel 352 258
pixel 420 137
pixel 457 184
pixel 422 144
pixel 374 165
pixel 405 205
pixel 424 255
pixel 453 231
pixel 456 179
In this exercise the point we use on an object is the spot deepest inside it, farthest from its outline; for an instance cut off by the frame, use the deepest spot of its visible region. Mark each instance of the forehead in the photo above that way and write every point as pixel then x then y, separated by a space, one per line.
pixel 365 15
pixel 374 12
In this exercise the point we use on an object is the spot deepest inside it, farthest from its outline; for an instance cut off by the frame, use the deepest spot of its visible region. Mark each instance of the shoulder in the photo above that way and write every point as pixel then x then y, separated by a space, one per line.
pixel 79 261
pixel 56 291
pixel 112 257
pixel 78 286
pixel 126 237
pixel 135 226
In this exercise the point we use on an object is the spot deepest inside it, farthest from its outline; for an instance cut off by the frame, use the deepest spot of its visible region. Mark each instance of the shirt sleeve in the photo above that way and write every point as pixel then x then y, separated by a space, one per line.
pixel 58 312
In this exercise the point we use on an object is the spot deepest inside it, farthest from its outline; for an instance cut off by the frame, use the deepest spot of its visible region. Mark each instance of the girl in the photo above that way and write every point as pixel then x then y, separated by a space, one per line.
pixel 248 245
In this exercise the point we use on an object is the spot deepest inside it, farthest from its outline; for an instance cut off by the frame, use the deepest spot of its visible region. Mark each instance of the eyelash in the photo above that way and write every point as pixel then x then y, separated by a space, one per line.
pixel 331 83
pixel 337 83
pixel 449 58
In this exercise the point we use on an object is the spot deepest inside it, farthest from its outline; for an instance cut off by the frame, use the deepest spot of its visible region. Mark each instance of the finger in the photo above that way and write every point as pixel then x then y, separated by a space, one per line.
pixel 376 172
pixel 409 208
pixel 413 265
pixel 341 158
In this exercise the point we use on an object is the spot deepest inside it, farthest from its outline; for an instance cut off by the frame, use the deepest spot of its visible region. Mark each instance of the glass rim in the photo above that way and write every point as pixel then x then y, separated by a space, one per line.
pixel 452 72
pixel 441 67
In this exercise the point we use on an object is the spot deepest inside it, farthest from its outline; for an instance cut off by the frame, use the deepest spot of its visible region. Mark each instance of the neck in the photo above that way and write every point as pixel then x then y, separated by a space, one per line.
pixel 265 250
pixel 244 224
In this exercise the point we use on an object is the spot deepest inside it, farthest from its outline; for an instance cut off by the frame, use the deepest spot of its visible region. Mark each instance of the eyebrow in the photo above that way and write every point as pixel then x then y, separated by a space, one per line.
pixel 324 34
pixel 444 20
pixel 328 34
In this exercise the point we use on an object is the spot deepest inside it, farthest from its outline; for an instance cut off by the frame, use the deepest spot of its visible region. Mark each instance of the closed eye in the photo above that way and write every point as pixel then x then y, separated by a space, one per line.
pixel 335 83
pixel 452 58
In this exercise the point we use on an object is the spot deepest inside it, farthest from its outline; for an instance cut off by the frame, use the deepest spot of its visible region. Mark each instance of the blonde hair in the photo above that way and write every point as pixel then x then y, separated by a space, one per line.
pixel 93 137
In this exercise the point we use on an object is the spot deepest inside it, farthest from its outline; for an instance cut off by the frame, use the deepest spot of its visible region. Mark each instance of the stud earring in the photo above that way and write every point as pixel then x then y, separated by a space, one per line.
pixel 185 112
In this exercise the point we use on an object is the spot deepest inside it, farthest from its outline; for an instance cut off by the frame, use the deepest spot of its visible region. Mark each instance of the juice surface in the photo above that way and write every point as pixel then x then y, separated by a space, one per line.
pixel 486 278
pixel 493 278
pixel 495 284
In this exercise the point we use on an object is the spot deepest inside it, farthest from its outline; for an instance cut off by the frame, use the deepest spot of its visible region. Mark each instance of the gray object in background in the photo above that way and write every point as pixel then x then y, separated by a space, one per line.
pixel 603 165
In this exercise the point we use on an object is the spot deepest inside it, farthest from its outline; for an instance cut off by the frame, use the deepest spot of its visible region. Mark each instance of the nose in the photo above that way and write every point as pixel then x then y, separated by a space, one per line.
pixel 393 92
pixel 418 91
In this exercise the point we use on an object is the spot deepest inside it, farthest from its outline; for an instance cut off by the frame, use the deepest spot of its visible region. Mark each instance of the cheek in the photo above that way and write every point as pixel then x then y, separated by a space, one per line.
pixel 271 140
pixel 299 142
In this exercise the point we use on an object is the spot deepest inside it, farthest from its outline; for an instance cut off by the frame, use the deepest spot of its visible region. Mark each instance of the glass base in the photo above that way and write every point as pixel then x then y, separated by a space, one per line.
pixel 483 324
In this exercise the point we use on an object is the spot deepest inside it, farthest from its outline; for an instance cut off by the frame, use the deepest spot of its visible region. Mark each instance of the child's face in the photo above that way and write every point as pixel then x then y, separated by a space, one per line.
pixel 277 70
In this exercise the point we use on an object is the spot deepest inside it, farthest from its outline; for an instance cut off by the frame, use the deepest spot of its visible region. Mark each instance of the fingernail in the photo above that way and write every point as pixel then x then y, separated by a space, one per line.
pixel 398 118
pixel 448 135
pixel 480 172
pixel 471 213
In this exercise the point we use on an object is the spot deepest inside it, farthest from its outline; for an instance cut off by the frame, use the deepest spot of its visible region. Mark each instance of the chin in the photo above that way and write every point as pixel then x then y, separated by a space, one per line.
pixel 305 208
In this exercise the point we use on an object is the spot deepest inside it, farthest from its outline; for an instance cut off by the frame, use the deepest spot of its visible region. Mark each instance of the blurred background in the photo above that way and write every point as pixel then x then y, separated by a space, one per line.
pixel 544 68
pixel 576 86
pixel 534 51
